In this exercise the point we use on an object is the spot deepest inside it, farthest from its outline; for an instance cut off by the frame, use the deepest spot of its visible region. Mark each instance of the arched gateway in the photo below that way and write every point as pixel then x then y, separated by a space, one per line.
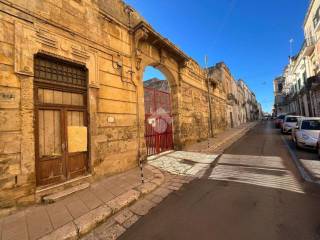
pixel 161 115
pixel 158 113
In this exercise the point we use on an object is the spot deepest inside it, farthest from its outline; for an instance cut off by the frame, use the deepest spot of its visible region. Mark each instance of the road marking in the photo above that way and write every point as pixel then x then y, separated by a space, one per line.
pixel 265 171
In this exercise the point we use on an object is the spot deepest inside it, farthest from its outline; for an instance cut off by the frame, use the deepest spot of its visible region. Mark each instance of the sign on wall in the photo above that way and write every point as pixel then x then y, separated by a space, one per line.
pixel 77 139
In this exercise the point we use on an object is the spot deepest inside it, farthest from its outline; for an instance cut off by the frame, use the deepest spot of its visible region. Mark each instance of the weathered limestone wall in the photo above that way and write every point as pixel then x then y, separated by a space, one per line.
pixel 105 36
pixel 76 31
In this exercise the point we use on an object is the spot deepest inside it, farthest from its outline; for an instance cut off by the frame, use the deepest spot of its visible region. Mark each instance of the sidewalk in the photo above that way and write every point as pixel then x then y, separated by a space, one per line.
pixel 222 140
pixel 77 214
pixel 309 170
pixel 312 168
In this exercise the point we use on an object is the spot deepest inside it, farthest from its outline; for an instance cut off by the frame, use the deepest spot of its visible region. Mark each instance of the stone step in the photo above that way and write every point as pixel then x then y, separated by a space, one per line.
pixel 41 192
pixel 64 193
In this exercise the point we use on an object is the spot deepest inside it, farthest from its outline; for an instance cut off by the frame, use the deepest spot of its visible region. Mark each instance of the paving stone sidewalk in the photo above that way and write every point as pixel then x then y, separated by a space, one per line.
pixel 183 163
pixel 117 225
pixel 221 140
pixel 77 214
pixel 313 169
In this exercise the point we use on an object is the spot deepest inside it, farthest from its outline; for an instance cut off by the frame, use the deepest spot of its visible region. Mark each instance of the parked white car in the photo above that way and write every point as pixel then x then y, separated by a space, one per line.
pixel 306 133
pixel 289 122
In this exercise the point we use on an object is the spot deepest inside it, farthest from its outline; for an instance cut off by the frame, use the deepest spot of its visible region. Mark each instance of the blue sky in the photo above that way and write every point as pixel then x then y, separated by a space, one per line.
pixel 250 36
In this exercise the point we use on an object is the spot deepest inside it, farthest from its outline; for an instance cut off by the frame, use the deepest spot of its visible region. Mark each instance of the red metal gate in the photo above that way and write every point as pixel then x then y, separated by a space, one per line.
pixel 158 121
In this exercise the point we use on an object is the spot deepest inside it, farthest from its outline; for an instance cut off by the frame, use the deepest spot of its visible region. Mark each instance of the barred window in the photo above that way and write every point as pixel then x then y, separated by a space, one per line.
pixel 56 71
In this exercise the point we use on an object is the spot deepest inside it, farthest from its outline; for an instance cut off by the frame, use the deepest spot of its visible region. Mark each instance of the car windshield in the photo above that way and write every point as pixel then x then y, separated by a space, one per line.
pixel 291 119
pixel 310 125
pixel 281 117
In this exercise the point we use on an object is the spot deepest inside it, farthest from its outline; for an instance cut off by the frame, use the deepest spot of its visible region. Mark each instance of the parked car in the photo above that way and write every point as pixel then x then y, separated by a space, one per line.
pixel 279 120
pixel 289 122
pixel 306 133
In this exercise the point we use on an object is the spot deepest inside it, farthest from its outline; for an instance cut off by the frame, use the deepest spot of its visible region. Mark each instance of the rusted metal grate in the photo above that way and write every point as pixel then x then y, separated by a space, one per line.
pixel 59 72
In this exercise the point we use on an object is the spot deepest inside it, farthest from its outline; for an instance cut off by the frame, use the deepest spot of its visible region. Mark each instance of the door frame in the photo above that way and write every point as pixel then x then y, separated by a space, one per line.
pixel 64 108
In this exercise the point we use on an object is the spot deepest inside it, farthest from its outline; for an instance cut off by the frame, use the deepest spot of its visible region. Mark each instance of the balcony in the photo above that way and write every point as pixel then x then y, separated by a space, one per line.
pixel 309 45
pixel 313 82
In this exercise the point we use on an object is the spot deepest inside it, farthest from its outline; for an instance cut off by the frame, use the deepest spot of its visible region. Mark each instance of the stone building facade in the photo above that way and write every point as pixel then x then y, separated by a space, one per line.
pixel 71 78
pixel 301 85
pixel 236 102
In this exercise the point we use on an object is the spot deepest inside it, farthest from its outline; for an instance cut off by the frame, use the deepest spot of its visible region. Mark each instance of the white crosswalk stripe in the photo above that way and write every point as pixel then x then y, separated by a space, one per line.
pixel 256 170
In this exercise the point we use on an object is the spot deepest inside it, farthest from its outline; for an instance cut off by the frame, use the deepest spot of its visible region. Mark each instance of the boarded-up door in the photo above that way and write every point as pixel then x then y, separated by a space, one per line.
pixel 61 121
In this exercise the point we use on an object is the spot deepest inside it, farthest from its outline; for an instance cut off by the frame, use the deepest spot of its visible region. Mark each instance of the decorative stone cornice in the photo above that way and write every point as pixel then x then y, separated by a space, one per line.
pixel 144 32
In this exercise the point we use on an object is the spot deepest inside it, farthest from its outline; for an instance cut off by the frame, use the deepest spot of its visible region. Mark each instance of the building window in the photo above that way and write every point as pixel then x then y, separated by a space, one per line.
pixel 304 77
pixel 316 18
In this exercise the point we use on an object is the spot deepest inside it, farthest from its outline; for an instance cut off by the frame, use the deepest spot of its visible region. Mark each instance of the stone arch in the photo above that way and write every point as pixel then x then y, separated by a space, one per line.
pixel 151 49
pixel 174 95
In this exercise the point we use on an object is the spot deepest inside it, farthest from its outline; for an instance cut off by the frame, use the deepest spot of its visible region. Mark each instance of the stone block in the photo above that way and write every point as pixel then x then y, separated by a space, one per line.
pixel 10 120
pixel 6 32
pixel 123 216
pixel 10 143
pixel 158 181
pixel 154 198
pixel 106 106
pixel 14 227
pixel 142 207
pixel 8 164
pixel 110 233
pixel 38 222
pixel 117 94
pixel 90 220
pixel 66 232
pixel 6 53
pixel 162 192
pixel 146 187
pixel 7 77
pixel 7 183
pixel 128 223
pixel 124 200
pixel 26 201
pixel 9 98
pixel 113 80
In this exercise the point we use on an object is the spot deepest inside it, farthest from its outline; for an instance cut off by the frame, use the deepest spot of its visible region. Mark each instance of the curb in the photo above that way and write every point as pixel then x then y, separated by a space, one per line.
pixel 235 138
pixel 301 169
pixel 82 225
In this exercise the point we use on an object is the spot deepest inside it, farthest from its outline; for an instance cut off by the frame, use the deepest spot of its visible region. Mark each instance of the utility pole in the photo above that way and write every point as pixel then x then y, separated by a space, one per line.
pixel 209 101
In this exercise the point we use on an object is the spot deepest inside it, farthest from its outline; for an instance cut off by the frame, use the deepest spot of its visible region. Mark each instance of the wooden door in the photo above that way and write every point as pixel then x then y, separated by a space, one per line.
pixel 58 111
pixel 77 163
pixel 61 112
pixel 51 166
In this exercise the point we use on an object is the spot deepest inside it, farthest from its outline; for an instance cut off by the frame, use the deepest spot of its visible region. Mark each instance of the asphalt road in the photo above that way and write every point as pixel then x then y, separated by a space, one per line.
pixel 253 193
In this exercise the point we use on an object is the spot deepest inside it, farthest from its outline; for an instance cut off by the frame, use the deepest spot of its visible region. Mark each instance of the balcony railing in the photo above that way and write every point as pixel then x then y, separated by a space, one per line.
pixel 309 45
